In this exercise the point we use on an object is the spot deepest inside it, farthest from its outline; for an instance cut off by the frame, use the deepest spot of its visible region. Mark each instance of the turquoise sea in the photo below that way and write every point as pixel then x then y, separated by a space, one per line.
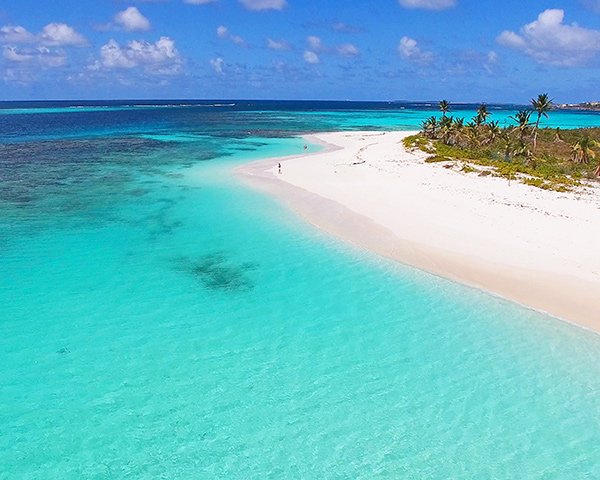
pixel 159 320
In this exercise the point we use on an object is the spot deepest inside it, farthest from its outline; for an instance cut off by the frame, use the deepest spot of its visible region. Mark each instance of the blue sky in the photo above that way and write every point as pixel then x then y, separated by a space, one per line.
pixel 463 50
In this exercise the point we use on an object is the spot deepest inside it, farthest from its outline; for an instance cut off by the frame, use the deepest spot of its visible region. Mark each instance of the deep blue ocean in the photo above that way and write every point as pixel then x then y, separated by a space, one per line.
pixel 158 319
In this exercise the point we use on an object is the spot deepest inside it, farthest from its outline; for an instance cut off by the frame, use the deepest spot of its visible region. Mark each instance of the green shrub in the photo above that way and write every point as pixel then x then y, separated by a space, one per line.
pixel 437 158
pixel 418 141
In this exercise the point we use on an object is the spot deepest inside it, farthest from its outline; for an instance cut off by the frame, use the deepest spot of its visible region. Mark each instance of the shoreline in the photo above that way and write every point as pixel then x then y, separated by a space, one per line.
pixel 365 189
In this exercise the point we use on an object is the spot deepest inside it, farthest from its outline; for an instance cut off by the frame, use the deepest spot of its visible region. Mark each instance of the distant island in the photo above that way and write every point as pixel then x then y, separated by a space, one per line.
pixel 595 106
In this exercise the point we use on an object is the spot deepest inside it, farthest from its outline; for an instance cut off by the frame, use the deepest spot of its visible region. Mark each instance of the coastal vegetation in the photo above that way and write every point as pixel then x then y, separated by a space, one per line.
pixel 551 159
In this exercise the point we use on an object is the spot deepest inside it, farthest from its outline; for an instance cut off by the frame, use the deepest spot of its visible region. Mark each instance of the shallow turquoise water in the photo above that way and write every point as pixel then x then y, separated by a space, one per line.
pixel 160 320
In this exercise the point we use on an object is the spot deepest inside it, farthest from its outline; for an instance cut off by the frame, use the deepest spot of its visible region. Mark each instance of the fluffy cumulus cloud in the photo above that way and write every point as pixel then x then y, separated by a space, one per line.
pixel 132 20
pixel 409 49
pixel 311 57
pixel 52 35
pixel 61 34
pixel 16 34
pixel 428 4
pixel 550 41
pixel 258 5
pixel 158 58
pixel 26 54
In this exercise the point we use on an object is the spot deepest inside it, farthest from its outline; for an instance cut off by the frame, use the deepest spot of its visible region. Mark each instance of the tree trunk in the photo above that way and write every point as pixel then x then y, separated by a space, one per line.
pixel 535 134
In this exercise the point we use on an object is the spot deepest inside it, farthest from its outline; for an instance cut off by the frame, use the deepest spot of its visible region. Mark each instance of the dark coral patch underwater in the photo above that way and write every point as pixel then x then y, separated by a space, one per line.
pixel 215 272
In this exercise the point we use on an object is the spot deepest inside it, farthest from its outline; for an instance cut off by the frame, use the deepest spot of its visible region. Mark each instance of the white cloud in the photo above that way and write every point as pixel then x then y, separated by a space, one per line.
pixel 409 49
pixel 550 41
pixel 51 58
pixel 311 57
pixel 160 57
pixel 41 56
pixel 15 34
pixel 11 54
pixel 224 33
pixel 316 45
pixel 113 56
pixel 26 54
pixel 132 20
pixel 258 5
pixel 277 44
pixel 237 40
pixel 61 34
pixel 217 65
pixel 53 34
pixel 18 76
pixel 489 65
pixel 314 42
pixel 428 4
pixel 348 50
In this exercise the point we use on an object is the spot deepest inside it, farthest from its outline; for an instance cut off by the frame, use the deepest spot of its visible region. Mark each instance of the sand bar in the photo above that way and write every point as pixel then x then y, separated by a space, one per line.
pixel 536 247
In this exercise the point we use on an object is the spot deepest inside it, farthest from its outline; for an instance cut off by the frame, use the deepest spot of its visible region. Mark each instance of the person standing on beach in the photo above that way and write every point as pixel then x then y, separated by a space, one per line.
pixel 279 168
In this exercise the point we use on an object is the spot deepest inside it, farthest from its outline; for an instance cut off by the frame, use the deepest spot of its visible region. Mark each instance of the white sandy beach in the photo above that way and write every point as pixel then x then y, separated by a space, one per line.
pixel 538 248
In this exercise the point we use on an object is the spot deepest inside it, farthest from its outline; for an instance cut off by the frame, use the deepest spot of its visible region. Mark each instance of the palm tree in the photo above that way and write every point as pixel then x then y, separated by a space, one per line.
pixel 509 148
pixel 542 104
pixel 444 107
pixel 582 151
pixel 429 127
pixel 482 114
pixel 557 138
pixel 446 129
pixel 457 129
pixel 425 128
pixel 472 134
pixel 494 131
pixel 522 119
